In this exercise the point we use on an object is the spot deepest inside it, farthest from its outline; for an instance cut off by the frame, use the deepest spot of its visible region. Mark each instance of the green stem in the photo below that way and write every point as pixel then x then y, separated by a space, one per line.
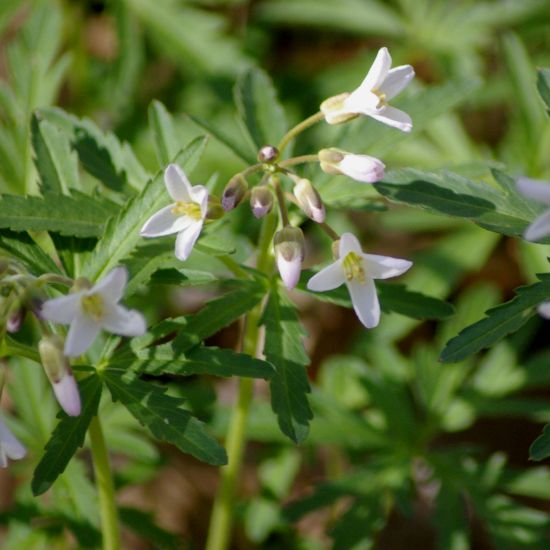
pixel 224 504
pixel 280 200
pixel 298 160
pixel 104 481
pixel 298 129
pixel 234 267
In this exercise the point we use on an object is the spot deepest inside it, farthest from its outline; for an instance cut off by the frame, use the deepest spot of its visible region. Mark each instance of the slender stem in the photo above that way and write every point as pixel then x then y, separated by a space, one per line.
pixel 224 504
pixel 280 199
pixel 298 160
pixel 298 129
pixel 329 231
pixel 104 481
pixel 234 267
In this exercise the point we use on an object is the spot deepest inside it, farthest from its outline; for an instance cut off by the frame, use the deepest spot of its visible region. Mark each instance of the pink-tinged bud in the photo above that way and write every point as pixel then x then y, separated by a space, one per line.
pixel 58 371
pixel 15 320
pixel 234 193
pixel 361 168
pixel 261 201
pixel 289 252
pixel 268 154
pixel 309 200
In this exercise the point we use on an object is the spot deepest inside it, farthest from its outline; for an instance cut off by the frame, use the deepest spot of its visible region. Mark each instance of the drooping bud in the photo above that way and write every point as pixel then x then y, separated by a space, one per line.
pixel 268 154
pixel 234 192
pixel 309 200
pixel 261 201
pixel 289 246
pixel 332 106
pixel 215 210
pixel 361 168
pixel 58 371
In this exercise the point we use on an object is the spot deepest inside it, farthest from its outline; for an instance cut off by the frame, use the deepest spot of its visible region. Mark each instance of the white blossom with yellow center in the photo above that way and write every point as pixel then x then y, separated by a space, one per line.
pixel 358 271
pixel 185 216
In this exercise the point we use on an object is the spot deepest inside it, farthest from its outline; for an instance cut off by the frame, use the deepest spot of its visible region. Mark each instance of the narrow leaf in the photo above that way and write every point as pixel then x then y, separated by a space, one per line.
pixel 543 85
pixel 22 247
pixel 164 133
pixel 540 449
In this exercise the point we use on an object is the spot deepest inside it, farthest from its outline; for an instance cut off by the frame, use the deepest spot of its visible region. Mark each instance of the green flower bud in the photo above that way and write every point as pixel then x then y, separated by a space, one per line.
pixel 234 192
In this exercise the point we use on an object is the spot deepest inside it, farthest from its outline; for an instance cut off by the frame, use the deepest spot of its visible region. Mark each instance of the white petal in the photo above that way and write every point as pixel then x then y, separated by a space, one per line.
pixel 81 335
pixel 112 286
pixel 365 302
pixel 378 71
pixel 186 240
pixel 328 278
pixel 397 80
pixel 360 101
pixel 63 309
pixel 392 117
pixel 9 444
pixel 199 194
pixel 349 243
pixel 539 228
pixel 544 310
pixel 362 168
pixel 67 394
pixel 535 189
pixel 165 222
pixel 177 184
pixel 126 322
pixel 289 270
pixel 384 267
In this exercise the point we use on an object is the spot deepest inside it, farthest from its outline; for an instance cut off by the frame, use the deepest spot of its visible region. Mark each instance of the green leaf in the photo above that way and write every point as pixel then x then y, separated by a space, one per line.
pixel 143 524
pixel 121 234
pixel 543 85
pixel 55 162
pixel 78 216
pixel 283 347
pixel 500 321
pixel 163 415
pixel 260 110
pixel 22 247
pixel 164 133
pixel 67 437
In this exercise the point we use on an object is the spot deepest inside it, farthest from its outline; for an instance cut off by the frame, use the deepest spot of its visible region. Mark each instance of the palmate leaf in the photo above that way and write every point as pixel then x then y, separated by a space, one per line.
pixel 500 321
pixel 260 110
pixel 543 85
pixel 78 216
pixel 122 231
pixel 67 437
pixel 163 415
pixel 284 348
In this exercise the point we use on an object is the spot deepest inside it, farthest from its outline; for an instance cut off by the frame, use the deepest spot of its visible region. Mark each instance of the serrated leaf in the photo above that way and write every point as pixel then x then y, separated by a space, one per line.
pixel 259 108
pixel 500 321
pixel 215 243
pixel 543 85
pixel 122 231
pixel 284 348
pixel 22 247
pixel 164 133
pixel 540 449
pixel 163 415
pixel 67 437
pixel 78 216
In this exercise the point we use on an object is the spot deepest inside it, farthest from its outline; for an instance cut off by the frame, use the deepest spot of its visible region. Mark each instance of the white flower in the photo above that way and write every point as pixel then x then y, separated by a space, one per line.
pixel 289 253
pixel 184 217
pixel 90 309
pixel 539 191
pixel 361 168
pixel 9 446
pixel 371 98
pixel 358 271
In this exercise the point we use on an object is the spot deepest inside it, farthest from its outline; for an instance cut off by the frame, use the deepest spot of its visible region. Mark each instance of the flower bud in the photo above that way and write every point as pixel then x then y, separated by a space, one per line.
pixel 58 371
pixel 234 192
pixel 361 168
pixel 309 200
pixel 214 210
pixel 332 105
pixel 289 252
pixel 15 320
pixel 268 153
pixel 261 201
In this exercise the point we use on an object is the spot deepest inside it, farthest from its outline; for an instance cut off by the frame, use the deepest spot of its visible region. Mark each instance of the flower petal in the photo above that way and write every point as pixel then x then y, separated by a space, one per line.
pixel 9 444
pixel 177 184
pixel 365 302
pixel 398 78
pixel 378 71
pixel 289 270
pixel 349 243
pixel 67 394
pixel 539 228
pixel 126 322
pixel 63 309
pixel 384 267
pixel 362 168
pixel 360 101
pixel 186 240
pixel 82 333
pixel 544 310
pixel 329 278
pixel 111 287
pixel 165 222
pixel 392 117
pixel 534 189
pixel 199 194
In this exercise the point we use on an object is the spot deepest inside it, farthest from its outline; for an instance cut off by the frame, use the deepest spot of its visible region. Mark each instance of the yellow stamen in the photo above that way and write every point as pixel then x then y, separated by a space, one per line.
pixel 353 267
pixel 382 99
pixel 93 306
pixel 191 209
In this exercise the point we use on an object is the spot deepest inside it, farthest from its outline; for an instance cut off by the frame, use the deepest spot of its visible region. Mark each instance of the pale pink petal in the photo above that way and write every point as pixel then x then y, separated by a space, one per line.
pixel 9 445
pixel 392 117
pixel 81 335
pixel 67 394
pixel 289 270
pixel 126 322
pixel 384 267
pixel 112 286
pixel 177 184
pixel 539 229
pixel 365 302
pixel 398 78
pixel 61 310
pixel 329 278
pixel 349 243
pixel 535 189
pixel 165 222
pixel 362 168
pixel 186 240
